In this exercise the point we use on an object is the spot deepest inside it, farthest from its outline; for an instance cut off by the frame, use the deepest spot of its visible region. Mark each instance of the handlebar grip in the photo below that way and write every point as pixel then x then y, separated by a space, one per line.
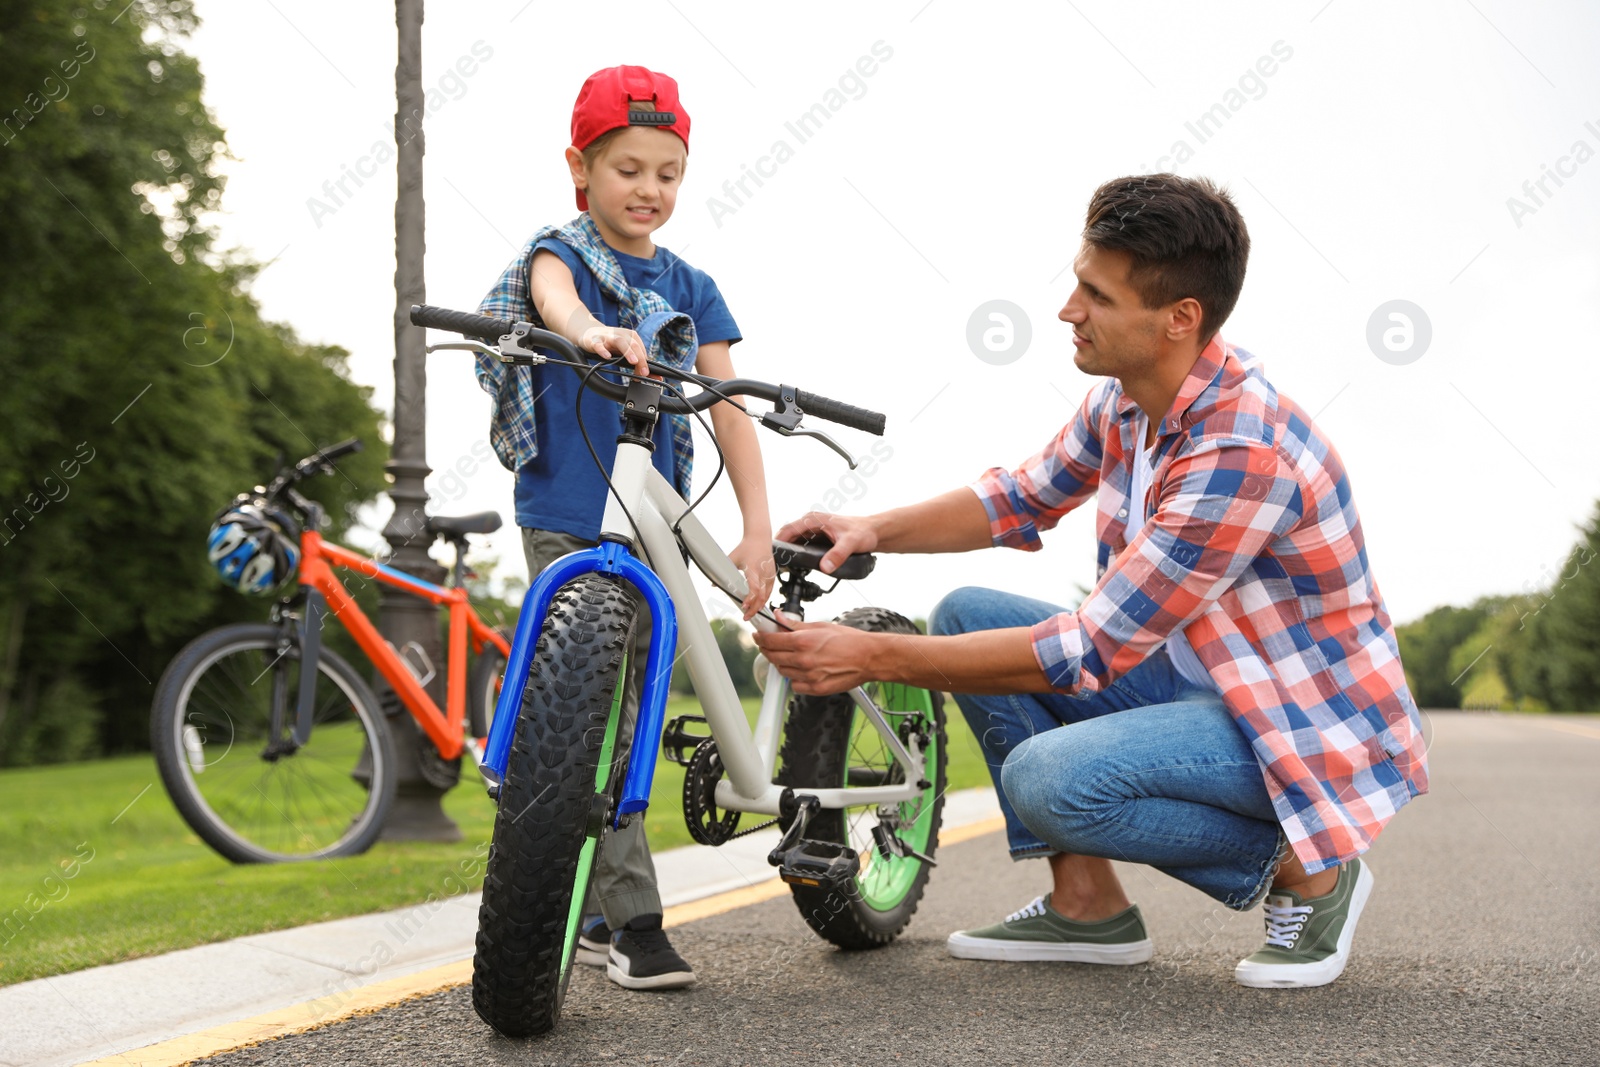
pixel 462 322
pixel 343 448
pixel 840 412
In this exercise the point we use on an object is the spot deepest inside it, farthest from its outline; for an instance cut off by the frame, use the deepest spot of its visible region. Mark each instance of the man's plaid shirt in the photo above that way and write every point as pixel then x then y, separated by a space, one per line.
pixel 1250 539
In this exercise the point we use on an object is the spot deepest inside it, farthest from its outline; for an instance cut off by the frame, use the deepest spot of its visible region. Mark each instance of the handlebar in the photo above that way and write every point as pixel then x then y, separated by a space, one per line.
pixel 319 462
pixel 493 330
pixel 467 324
pixel 325 456
pixel 838 411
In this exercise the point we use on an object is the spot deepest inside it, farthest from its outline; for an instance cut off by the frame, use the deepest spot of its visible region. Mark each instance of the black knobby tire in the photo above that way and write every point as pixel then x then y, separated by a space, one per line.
pixel 483 687
pixel 545 837
pixel 829 742
pixel 255 802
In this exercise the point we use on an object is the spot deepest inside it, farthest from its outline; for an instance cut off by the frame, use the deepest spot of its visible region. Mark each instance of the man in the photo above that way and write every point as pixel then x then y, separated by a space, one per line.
pixel 1227 704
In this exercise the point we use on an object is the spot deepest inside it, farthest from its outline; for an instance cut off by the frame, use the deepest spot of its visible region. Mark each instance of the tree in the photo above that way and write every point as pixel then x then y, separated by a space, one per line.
pixel 1532 651
pixel 738 653
pixel 1426 647
pixel 1484 665
pixel 142 387
pixel 1562 667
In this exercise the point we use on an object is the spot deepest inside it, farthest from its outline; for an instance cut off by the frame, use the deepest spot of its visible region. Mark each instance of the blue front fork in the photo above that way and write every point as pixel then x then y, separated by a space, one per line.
pixel 607 558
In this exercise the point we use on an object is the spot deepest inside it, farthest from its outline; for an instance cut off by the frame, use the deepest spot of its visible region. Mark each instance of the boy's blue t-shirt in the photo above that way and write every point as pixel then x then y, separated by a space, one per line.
pixel 562 489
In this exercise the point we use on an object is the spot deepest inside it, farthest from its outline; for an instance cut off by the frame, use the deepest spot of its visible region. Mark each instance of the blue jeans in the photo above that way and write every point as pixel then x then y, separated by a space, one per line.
pixel 1149 770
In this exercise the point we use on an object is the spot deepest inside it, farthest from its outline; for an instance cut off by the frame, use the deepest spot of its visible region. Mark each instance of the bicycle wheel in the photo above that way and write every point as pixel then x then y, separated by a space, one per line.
pixel 828 740
pixel 220 729
pixel 564 766
pixel 483 688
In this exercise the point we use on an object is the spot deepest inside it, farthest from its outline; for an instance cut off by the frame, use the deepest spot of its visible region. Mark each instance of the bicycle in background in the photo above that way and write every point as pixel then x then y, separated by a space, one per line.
pixel 271 745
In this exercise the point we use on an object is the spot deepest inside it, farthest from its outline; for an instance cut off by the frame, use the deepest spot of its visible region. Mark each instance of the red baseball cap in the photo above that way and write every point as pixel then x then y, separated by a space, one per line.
pixel 603 106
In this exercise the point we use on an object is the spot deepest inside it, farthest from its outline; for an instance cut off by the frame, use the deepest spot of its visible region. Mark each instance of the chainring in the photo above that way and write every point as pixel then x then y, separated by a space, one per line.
pixel 706 824
pixel 440 773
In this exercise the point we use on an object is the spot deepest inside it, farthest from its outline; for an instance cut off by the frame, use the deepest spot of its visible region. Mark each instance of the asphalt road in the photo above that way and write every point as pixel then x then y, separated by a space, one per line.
pixel 1480 946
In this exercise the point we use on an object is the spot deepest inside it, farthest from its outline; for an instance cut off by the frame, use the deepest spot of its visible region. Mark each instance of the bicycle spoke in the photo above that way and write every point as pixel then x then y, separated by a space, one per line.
pixel 281 800
pixel 331 812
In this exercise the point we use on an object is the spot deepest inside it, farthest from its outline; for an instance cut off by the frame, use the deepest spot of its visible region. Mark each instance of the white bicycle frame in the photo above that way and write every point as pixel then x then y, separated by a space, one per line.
pixel 749 757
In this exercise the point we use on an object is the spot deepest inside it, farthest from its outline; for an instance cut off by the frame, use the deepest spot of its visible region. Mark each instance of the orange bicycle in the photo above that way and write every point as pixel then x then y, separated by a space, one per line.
pixel 271 746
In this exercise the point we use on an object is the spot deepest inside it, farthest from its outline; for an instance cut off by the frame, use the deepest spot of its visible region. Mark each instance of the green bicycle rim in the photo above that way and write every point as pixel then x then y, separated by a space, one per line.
pixel 580 887
pixel 885 882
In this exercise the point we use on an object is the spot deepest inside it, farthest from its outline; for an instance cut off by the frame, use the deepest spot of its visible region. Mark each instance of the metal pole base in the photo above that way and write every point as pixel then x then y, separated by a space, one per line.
pixel 418 811
pixel 403 619
pixel 419 818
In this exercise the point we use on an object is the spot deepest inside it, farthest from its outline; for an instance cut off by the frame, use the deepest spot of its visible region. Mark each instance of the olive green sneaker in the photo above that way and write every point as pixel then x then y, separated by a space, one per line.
pixel 1308 941
pixel 1039 932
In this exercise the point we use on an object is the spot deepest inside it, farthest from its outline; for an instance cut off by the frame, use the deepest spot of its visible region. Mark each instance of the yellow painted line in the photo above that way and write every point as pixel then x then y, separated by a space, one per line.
pixel 314 1014
pixel 706 907
pixel 1571 728
pixel 958 834
pixel 295 1019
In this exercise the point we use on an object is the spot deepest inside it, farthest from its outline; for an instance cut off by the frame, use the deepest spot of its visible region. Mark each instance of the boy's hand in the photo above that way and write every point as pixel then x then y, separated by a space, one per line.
pixel 611 342
pixel 753 557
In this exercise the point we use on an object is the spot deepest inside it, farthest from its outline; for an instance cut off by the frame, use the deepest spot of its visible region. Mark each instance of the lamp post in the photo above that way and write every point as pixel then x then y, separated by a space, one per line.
pixel 409 624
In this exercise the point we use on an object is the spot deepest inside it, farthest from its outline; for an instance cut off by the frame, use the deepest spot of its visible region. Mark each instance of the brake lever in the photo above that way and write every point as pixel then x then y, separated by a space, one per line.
pixel 819 435
pixel 511 349
pixel 515 350
pixel 465 346
pixel 785 419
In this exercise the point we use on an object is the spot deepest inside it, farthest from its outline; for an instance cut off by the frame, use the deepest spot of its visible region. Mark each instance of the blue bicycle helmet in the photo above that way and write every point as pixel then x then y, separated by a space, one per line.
pixel 252 545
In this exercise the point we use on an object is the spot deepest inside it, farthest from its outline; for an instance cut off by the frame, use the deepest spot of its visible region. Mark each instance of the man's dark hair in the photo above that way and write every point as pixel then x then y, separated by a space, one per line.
pixel 1185 236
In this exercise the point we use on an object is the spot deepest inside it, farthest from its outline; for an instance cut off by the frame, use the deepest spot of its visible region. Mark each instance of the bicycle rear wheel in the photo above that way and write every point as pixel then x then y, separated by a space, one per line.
pixel 483 688
pixel 220 729
pixel 565 766
pixel 828 741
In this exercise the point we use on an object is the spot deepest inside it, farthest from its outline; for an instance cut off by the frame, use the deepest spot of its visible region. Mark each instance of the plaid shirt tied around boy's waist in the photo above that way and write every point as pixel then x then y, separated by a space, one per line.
pixel 1250 543
pixel 512 430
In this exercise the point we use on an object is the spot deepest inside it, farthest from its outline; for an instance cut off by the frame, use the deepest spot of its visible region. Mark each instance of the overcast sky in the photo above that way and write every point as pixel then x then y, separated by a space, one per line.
pixel 1379 153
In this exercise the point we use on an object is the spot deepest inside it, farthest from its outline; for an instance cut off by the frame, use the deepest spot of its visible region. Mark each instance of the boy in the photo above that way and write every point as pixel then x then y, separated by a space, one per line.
pixel 591 281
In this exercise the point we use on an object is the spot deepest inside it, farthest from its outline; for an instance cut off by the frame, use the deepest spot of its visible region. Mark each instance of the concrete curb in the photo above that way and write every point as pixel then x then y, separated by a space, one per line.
pixel 256 987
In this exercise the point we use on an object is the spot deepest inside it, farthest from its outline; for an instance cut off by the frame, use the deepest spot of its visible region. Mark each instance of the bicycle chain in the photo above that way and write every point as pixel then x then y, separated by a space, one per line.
pixel 754 829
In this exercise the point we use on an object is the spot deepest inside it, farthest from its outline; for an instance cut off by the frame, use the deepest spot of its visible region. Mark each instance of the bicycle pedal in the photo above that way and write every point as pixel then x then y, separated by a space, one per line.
pixel 677 743
pixel 824 864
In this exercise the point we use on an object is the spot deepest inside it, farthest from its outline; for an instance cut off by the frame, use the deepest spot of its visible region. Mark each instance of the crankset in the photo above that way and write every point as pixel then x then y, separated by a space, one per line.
pixel 440 773
pixel 702 771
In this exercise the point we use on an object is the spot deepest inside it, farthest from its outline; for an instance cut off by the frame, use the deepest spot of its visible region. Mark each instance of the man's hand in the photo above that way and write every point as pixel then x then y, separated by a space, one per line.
pixel 952 522
pixel 820 658
pixel 753 557
pixel 850 534
pixel 612 342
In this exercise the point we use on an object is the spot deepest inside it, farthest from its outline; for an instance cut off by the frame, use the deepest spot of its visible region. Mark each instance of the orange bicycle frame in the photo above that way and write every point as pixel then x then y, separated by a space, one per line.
pixel 444 729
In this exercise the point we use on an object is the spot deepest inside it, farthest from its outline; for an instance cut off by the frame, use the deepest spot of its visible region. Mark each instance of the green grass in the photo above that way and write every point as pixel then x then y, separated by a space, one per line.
pixel 97 867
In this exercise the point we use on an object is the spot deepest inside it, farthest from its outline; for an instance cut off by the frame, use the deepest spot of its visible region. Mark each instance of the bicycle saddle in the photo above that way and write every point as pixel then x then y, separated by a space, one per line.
pixel 483 522
pixel 808 557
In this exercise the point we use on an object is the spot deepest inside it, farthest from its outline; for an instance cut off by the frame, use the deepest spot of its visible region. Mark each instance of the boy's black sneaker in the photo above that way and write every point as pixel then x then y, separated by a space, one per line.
pixel 594 941
pixel 643 958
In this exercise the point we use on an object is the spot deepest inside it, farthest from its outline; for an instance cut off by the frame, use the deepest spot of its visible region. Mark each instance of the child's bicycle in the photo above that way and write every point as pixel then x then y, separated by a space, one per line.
pixel 272 747
pixel 860 787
